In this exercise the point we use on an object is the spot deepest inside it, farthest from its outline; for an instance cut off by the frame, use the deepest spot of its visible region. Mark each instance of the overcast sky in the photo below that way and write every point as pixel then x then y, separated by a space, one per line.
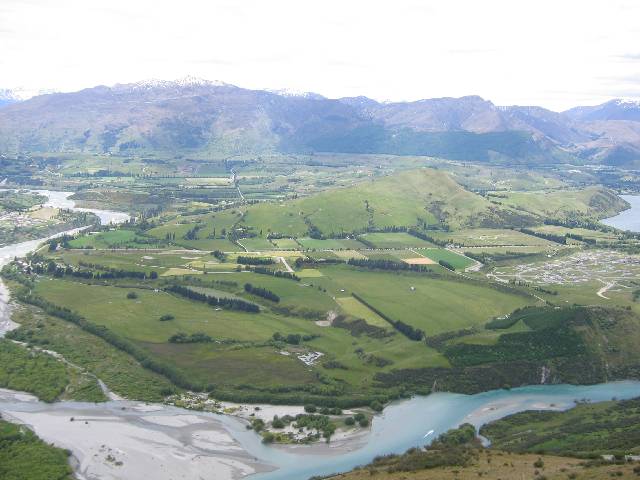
pixel 553 53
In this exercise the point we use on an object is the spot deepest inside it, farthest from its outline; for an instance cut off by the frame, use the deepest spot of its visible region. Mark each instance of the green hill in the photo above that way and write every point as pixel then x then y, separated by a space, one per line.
pixel 402 200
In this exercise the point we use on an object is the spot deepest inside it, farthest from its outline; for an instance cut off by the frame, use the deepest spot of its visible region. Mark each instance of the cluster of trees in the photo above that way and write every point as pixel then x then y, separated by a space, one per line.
pixel 582 238
pixel 293 338
pixel 359 327
pixel 219 255
pixel 447 265
pixel 275 273
pixel 255 260
pixel 552 237
pixel 313 231
pixel 382 264
pixel 425 237
pixel 261 292
pixel 31 371
pixel 198 337
pixel 230 303
pixel 533 346
pixel 106 274
pixel 408 331
pixel 24 455
pixel 441 453
pixel 192 233
pixel 117 273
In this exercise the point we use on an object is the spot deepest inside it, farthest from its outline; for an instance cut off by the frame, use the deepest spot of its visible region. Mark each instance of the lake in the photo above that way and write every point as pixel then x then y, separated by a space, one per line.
pixel 630 218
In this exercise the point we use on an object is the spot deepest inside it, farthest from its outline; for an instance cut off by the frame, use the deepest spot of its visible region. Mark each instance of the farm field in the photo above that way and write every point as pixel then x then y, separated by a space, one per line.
pixel 330 244
pixel 256 244
pixel 286 243
pixel 360 344
pixel 485 237
pixel 434 305
pixel 120 238
pixel 395 240
pixel 353 306
pixel 437 254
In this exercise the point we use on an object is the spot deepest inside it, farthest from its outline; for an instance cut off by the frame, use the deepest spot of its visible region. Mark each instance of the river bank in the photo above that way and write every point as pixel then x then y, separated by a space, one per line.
pixel 128 440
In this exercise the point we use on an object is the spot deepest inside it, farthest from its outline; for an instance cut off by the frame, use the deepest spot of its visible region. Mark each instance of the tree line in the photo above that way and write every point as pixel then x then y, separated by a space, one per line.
pixel 255 260
pixel 198 337
pixel 275 273
pixel 382 264
pixel 408 331
pixel 230 303
pixel 261 292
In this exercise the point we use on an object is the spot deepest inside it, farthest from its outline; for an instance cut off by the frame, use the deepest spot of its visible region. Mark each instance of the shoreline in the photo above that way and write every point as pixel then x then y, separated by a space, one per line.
pixel 140 440
pixel 129 439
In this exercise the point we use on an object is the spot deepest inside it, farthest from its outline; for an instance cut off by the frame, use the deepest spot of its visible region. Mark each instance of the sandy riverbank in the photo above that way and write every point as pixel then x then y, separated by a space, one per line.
pixel 143 443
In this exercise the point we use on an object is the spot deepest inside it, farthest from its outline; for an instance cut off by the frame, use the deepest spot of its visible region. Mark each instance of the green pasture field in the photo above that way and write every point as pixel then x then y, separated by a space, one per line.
pixel 594 234
pixel 291 293
pixel 487 237
pixel 320 255
pixel 395 240
pixel 330 244
pixel 158 260
pixel 437 254
pixel 256 244
pixel 286 243
pixel 393 255
pixel 213 228
pixel 435 305
pixel 111 239
pixel 309 273
pixel 347 254
pixel 279 218
pixel 139 319
pixel 229 366
pixel 357 309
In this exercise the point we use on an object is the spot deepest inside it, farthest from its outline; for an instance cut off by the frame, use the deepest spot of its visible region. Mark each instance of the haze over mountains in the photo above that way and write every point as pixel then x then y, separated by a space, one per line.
pixel 199 117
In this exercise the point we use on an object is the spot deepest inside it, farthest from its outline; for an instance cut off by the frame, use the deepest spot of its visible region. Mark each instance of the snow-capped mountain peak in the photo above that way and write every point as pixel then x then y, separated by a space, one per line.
pixel 290 92
pixel 184 82
pixel 19 94
pixel 627 102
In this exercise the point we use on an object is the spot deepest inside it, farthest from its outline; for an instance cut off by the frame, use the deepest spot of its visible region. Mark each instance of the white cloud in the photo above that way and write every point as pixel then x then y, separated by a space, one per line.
pixel 546 52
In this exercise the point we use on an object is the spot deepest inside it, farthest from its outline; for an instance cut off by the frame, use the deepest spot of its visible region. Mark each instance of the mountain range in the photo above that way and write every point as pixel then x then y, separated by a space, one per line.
pixel 199 117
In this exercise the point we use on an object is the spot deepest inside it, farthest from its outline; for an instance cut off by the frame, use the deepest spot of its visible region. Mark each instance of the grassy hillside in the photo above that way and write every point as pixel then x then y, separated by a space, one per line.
pixel 404 199
pixel 593 202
